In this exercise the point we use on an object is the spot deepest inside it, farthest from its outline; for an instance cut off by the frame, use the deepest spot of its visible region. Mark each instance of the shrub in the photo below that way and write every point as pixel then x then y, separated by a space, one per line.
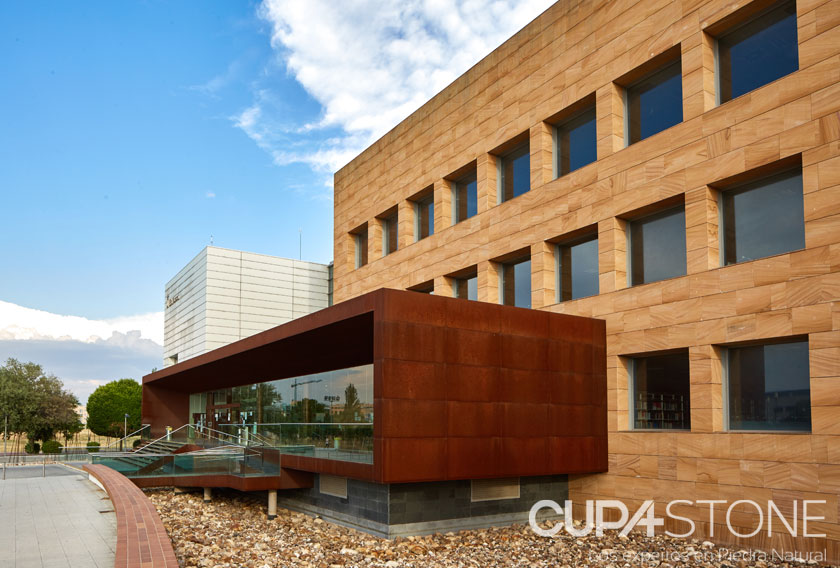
pixel 52 447
pixel 137 442
pixel 93 447
pixel 32 448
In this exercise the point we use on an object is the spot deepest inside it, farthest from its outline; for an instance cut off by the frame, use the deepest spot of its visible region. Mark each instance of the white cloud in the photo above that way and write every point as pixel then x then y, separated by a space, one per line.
pixel 370 64
pixel 83 366
pixel 84 353
pixel 18 322
pixel 210 195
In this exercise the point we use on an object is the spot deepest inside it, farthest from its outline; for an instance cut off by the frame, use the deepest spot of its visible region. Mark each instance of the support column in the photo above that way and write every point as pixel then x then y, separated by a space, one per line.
pixel 375 239
pixel 612 254
pixel 701 230
pixel 486 182
pixel 542 275
pixel 272 504
pixel 443 204
pixel 609 119
pixel 443 287
pixel 208 494
pixel 405 224
pixel 488 282
pixel 542 154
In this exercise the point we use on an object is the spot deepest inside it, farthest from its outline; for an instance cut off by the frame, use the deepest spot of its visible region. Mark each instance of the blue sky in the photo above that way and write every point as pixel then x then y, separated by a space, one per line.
pixel 117 132
pixel 133 131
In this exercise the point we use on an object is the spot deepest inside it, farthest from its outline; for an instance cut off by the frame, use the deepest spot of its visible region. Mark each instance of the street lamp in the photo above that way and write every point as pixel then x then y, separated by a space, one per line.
pixel 125 427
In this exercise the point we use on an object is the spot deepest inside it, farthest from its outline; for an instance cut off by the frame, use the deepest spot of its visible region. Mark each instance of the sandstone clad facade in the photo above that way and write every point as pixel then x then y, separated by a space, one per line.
pixel 575 56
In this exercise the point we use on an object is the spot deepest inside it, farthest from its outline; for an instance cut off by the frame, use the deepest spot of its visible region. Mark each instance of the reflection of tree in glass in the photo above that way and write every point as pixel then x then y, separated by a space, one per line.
pixel 305 410
pixel 258 398
pixel 267 395
pixel 352 406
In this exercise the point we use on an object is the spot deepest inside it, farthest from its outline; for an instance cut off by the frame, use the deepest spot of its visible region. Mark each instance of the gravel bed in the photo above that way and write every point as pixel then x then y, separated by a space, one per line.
pixel 233 532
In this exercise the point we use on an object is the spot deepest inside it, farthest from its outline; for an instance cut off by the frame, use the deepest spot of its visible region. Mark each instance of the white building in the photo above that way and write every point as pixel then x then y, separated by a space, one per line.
pixel 225 295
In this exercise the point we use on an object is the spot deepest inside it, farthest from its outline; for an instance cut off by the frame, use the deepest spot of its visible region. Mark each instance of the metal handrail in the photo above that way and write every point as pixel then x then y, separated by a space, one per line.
pixel 227 435
pixel 143 427
pixel 167 435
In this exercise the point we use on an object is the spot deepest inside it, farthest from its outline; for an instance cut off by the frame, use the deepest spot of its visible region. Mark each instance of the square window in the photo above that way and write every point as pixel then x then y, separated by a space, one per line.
pixel 661 392
pixel 466 286
pixel 514 173
pixel 360 239
pixel 515 283
pixel 464 197
pixel 424 217
pixel 389 233
pixel 657 246
pixel 575 143
pixel 654 103
pixel 763 218
pixel 768 387
pixel 577 268
pixel 757 52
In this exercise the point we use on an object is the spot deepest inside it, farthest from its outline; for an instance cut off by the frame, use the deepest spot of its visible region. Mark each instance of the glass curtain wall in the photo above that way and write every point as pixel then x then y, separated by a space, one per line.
pixel 327 415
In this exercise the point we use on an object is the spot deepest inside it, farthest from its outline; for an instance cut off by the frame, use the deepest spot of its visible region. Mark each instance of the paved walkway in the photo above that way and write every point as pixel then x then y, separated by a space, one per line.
pixel 55 521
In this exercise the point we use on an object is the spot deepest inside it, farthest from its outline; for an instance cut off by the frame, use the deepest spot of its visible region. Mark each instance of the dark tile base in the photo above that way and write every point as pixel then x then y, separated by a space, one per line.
pixel 422 508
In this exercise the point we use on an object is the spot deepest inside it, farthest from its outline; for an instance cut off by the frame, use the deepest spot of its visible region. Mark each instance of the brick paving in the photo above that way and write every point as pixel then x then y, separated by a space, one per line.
pixel 142 541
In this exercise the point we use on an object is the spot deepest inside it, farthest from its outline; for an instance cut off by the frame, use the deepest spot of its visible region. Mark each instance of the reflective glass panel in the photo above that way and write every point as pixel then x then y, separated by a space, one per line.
pixel 770 387
pixel 577 144
pixel 764 218
pixel 466 288
pixel 327 415
pixel 466 197
pixel 577 269
pixel 516 284
pixel 515 170
pixel 361 248
pixel 425 211
pixel 655 103
pixel 657 246
pixel 389 234
pixel 758 52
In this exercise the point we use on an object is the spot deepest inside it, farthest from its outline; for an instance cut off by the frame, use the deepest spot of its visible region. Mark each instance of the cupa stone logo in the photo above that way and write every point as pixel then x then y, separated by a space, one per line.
pixel 645 517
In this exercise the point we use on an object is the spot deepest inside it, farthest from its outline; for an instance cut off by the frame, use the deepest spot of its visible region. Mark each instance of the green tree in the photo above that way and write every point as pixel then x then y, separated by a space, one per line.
pixel 34 402
pixel 352 405
pixel 108 405
pixel 55 409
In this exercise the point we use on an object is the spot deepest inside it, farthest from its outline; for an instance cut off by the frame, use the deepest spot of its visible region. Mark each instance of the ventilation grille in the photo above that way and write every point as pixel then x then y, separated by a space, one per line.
pixel 495 489
pixel 332 485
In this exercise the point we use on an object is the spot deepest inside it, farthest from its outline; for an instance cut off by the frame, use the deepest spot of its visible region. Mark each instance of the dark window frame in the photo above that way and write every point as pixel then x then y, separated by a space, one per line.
pixel 390 232
pixel 662 73
pixel 461 287
pixel 424 200
pixel 727 235
pixel 460 184
pixel 360 252
pixel 507 192
pixel 655 215
pixel 559 267
pixel 510 265
pixel 577 120
pixel 679 413
pixel 726 361
pixel 723 85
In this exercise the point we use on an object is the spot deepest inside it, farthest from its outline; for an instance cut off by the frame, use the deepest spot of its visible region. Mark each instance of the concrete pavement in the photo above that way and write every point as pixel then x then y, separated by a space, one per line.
pixel 58 521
